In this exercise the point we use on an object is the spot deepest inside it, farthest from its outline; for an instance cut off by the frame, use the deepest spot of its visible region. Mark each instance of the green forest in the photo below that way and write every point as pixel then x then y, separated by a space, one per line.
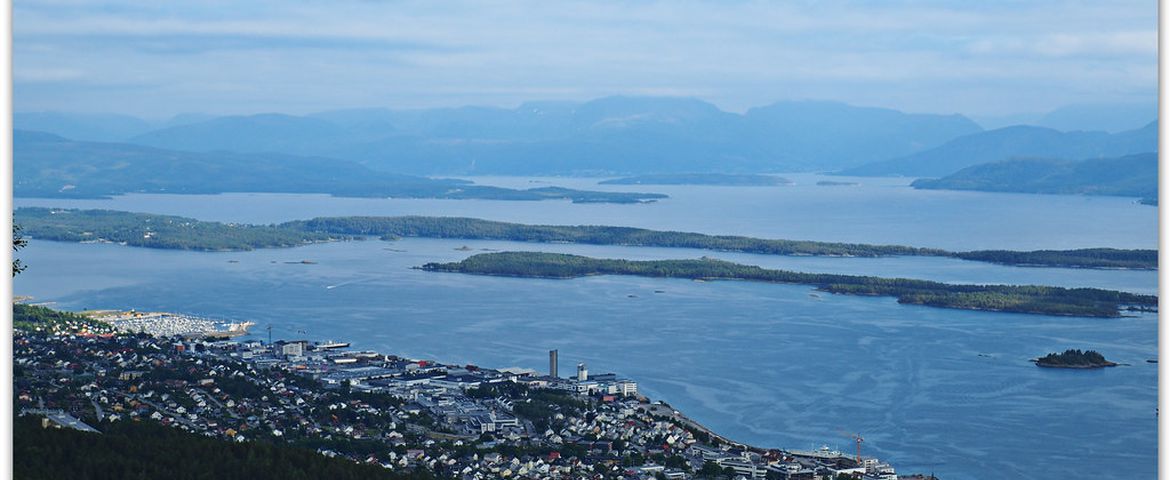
pixel 148 451
pixel 1090 302
pixel 33 317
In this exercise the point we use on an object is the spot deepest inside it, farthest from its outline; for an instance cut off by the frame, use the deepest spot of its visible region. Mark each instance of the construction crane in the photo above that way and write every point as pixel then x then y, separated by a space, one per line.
pixel 856 439
pixel 283 328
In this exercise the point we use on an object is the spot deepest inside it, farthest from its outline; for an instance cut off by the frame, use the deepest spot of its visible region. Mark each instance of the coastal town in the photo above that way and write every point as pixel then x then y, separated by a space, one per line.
pixel 402 414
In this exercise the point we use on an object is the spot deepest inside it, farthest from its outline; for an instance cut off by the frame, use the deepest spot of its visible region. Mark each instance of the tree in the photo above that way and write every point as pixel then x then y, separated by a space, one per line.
pixel 710 469
pixel 18 242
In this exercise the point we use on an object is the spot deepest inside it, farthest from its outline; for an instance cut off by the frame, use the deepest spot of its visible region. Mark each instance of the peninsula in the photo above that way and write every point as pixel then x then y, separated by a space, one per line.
pixel 1126 176
pixel 719 179
pixel 161 231
pixel 1087 302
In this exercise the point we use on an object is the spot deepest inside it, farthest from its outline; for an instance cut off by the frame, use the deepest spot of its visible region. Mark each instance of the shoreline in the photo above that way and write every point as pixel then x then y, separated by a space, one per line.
pixel 1076 367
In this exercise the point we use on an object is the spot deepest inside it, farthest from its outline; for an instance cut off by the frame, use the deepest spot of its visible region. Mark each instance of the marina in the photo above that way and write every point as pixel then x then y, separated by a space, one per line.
pixel 169 324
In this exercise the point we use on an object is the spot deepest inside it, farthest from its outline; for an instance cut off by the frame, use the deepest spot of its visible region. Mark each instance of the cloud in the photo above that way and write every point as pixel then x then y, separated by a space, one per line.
pixel 288 56
pixel 33 74
pixel 1142 44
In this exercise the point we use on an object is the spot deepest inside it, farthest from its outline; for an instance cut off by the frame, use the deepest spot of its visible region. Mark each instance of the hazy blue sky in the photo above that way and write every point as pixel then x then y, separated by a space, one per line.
pixel 977 57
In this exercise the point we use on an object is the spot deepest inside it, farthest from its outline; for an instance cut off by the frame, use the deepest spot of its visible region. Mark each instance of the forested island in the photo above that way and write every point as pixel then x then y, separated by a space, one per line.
pixel 186 233
pixel 1088 302
pixel 720 179
pixel 1073 358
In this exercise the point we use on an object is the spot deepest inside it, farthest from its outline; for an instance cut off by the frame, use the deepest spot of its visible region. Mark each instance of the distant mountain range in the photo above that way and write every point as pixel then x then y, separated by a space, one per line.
pixel 99 127
pixel 1131 175
pixel 1109 118
pixel 361 151
pixel 47 165
pixel 621 135
pixel 1013 142
pixel 1112 118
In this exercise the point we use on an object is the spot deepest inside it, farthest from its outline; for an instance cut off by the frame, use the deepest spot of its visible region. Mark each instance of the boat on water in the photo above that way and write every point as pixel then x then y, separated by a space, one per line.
pixel 824 452
pixel 330 345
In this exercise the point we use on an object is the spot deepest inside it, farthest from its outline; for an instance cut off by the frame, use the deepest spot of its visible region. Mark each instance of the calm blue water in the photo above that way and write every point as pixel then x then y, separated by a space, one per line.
pixel 931 390
pixel 882 211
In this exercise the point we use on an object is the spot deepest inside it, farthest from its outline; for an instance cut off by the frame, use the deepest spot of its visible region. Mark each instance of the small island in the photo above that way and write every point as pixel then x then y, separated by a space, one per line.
pixel 1073 358
pixel 719 179
pixel 832 183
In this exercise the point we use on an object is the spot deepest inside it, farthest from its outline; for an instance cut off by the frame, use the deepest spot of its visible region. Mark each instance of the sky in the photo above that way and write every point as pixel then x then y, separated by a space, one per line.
pixel 984 58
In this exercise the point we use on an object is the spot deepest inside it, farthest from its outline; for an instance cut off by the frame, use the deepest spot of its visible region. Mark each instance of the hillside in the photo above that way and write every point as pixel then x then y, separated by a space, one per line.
pixel 1131 175
pixel 1014 142
pixel 144 449
pixel 47 165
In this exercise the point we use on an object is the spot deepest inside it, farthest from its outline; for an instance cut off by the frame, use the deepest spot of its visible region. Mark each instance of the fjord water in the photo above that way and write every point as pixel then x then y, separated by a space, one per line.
pixel 878 211
pixel 931 390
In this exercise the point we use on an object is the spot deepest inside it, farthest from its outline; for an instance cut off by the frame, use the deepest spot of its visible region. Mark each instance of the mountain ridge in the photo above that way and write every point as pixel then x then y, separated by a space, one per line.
pixel 1130 175
pixel 1013 142
pixel 47 165
pixel 618 134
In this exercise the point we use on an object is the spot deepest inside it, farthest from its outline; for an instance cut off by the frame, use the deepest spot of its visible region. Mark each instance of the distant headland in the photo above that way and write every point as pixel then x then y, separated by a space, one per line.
pixel 720 179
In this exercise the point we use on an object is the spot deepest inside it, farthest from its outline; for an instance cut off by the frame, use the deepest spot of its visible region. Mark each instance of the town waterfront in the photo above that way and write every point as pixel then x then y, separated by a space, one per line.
pixel 931 390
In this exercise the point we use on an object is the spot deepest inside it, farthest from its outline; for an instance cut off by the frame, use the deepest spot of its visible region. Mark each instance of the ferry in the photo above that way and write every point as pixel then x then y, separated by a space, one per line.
pixel 823 453
pixel 332 345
